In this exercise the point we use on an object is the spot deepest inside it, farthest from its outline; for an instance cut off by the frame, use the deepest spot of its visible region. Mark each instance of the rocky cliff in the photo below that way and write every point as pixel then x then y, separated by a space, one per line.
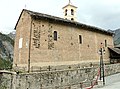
pixel 6 50
pixel 117 37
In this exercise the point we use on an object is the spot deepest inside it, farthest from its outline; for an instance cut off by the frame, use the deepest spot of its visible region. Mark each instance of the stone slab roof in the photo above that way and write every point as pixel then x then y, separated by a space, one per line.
pixel 37 15
pixel 69 5
pixel 116 50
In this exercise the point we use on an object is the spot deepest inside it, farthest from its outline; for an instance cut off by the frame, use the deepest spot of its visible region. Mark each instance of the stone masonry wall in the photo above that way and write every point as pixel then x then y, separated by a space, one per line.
pixel 67 79
pixel 5 81
pixel 59 79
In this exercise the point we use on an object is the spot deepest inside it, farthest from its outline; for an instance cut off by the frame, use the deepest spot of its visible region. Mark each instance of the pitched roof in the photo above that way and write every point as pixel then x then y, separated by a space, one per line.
pixel 116 50
pixel 62 20
pixel 69 5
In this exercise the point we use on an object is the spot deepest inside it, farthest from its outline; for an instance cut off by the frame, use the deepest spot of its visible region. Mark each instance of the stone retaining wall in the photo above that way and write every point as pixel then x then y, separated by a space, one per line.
pixel 59 79
pixel 112 69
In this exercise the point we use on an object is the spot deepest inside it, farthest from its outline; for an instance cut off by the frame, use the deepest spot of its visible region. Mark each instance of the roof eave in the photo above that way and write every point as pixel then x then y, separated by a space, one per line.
pixel 69 5
pixel 54 18
pixel 76 24
pixel 18 19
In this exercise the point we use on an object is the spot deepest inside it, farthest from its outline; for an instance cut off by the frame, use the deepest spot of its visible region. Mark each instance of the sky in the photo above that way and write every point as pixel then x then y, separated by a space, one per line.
pixel 104 14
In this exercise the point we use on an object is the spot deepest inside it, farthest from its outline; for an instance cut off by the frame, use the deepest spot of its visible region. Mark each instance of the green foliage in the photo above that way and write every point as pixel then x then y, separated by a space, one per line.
pixel 4 37
pixel 5 64
pixel 3 87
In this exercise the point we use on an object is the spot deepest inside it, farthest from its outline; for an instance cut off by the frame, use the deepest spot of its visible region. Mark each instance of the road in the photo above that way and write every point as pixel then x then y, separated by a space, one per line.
pixel 115 85
pixel 112 82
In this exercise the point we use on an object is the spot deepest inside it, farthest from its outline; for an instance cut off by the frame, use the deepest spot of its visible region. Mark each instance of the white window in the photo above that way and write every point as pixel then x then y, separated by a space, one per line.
pixel 105 43
pixel 20 42
pixel 27 43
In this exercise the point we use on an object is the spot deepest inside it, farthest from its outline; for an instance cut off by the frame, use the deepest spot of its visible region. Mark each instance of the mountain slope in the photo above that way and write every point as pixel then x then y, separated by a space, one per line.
pixel 12 35
pixel 117 37
pixel 6 51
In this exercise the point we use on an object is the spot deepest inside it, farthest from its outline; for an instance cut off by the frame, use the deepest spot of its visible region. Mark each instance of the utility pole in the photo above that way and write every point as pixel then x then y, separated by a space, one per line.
pixel 102 64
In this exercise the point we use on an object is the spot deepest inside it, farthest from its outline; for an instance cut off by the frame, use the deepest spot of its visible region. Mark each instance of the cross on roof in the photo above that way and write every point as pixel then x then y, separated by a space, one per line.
pixel 69 1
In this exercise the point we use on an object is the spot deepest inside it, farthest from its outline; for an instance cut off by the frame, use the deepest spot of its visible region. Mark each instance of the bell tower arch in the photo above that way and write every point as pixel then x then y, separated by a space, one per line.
pixel 69 12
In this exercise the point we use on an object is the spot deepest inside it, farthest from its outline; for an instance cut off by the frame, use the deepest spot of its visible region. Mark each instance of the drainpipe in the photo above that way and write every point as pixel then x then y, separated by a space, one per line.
pixel 30 46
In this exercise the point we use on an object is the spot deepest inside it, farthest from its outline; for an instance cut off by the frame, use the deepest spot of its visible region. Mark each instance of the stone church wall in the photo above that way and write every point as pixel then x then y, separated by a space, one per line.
pixel 39 46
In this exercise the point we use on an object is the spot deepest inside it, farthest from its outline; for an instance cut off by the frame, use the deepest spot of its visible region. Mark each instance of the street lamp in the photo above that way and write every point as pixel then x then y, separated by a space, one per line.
pixel 102 50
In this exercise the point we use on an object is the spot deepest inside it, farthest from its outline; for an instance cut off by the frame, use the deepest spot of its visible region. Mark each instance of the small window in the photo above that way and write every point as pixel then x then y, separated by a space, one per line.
pixel 72 12
pixel 66 12
pixel 80 39
pixel 72 19
pixel 105 43
pixel 55 35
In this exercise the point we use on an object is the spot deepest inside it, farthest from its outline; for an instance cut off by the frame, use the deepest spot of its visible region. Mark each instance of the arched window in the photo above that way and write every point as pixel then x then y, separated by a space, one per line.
pixel 72 12
pixel 80 39
pixel 105 43
pixel 66 12
pixel 55 35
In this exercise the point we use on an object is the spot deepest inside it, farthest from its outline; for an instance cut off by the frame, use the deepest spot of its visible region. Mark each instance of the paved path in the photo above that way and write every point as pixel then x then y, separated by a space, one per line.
pixel 115 85
pixel 112 82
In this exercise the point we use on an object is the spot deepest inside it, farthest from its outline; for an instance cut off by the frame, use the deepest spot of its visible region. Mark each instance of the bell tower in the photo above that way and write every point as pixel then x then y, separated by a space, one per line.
pixel 69 12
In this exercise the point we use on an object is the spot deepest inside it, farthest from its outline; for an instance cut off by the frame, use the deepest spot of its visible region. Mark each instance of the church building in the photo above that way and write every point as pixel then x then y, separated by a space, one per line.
pixel 45 40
